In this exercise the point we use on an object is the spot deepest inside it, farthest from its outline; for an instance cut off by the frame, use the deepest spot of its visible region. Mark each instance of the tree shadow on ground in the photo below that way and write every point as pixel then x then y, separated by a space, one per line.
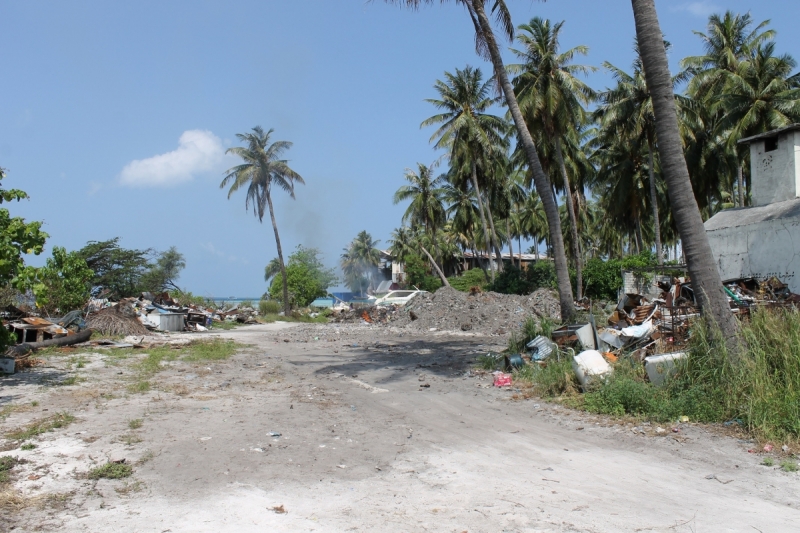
pixel 35 376
pixel 441 356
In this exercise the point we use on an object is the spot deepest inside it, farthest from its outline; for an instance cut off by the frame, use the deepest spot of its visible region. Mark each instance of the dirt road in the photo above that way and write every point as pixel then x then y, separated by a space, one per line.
pixel 380 430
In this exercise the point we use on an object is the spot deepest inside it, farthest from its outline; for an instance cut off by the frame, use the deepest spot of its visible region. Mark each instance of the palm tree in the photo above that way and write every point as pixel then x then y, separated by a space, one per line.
pixel 263 168
pixel 626 115
pixel 706 280
pixel 486 46
pixel 728 41
pixel 360 261
pixel 760 95
pixel 465 129
pixel 426 206
pixel 551 97
pixel 272 269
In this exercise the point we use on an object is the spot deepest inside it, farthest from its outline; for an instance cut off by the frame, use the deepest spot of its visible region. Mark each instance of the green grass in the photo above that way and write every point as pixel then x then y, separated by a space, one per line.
pixel 130 439
pixel 7 463
pixel 28 446
pixel 789 466
pixel 489 361
pixel 36 428
pixel 111 471
pixel 214 350
pixel 136 423
pixel 531 329
pixel 768 461
pixel 269 307
pixel 225 325
pixel 197 351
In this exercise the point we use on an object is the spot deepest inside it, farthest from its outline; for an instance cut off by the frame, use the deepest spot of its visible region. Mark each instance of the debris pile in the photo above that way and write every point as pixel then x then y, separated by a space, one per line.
pixel 376 314
pixel 120 319
pixel 488 313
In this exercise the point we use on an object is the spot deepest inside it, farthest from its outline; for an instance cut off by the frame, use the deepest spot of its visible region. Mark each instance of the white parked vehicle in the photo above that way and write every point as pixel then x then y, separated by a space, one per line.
pixel 400 297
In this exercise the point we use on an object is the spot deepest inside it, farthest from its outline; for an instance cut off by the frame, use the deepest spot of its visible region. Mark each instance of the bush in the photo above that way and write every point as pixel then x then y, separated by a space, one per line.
pixel 269 307
pixel 111 471
pixel 418 275
pixel 515 281
pixel 471 278
pixel 602 279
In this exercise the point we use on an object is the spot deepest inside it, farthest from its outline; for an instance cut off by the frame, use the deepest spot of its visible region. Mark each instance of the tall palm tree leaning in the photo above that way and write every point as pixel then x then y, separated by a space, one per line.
pixel 486 45
pixel 706 282
pixel 263 168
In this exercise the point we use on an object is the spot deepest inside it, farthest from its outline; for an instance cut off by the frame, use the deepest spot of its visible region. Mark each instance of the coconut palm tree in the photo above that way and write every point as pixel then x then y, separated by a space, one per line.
pixel 262 169
pixel 360 262
pixel 706 280
pixel 552 98
pixel 760 95
pixel 465 129
pixel 487 47
pixel 426 208
pixel 626 112
pixel 729 41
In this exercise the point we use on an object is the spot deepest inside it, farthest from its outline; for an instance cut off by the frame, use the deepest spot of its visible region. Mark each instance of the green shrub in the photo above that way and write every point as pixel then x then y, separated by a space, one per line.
pixel 602 279
pixel 111 471
pixel 269 307
pixel 515 281
pixel 418 274
pixel 471 278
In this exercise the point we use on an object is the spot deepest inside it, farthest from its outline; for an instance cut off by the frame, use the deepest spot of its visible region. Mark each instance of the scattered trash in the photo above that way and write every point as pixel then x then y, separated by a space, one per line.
pixel 659 367
pixel 278 509
pixel 274 434
pixel 589 365
pixel 540 348
pixel 684 419
pixel 501 379
pixel 768 448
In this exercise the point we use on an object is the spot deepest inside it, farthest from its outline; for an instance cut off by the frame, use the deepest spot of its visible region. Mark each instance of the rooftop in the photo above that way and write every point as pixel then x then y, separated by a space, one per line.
pixel 743 216
pixel 773 133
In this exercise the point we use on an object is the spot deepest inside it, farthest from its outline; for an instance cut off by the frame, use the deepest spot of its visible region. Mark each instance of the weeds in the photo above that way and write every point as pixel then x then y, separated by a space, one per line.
pixel 140 386
pixel 136 423
pixel 7 463
pixel 530 330
pixel 57 421
pixel 146 457
pixel 28 446
pixel 489 361
pixel 111 471
pixel 768 461
pixel 215 350
pixel 225 325
pixel 130 439
pixel 789 466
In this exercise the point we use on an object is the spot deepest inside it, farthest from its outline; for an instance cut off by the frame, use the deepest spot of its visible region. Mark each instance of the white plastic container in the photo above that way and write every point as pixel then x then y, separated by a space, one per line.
pixel 658 367
pixel 590 365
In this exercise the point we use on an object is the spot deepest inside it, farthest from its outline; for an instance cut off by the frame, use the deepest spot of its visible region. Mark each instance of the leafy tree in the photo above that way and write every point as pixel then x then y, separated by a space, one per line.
pixel 164 274
pixel 418 275
pixel 64 283
pixel 117 271
pixel 308 278
pixel 263 168
pixel 17 238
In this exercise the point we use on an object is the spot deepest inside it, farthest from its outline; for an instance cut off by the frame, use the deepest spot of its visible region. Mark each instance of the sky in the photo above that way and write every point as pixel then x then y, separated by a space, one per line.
pixel 115 117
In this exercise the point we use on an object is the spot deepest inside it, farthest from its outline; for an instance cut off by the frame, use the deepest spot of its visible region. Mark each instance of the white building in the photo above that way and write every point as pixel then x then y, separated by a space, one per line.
pixel 763 240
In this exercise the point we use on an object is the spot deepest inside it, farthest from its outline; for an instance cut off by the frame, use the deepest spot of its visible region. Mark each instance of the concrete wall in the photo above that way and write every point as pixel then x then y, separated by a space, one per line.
pixel 776 174
pixel 759 250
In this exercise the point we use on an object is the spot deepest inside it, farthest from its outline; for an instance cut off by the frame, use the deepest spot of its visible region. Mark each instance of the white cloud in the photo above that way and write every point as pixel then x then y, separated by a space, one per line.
pixel 198 151
pixel 210 248
pixel 699 9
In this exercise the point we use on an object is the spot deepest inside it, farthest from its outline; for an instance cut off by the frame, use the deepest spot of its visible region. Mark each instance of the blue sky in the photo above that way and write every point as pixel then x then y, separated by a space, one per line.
pixel 115 116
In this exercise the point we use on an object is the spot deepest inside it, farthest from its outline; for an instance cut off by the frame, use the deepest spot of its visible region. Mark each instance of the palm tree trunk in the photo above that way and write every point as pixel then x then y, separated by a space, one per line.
pixel 638 234
pixel 740 184
pixel 474 178
pixel 573 221
pixel 287 306
pixel 436 267
pixel 540 179
pixel 478 261
pixel 654 201
pixel 706 280
pixel 495 241
pixel 519 250
pixel 510 242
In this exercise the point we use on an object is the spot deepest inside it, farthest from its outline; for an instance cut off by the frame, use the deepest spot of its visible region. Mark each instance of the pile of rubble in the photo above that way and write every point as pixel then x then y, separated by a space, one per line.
pixel 487 313
pixel 376 314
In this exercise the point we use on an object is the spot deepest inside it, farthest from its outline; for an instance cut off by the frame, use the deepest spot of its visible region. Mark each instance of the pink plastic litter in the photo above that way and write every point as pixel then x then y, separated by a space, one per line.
pixel 502 380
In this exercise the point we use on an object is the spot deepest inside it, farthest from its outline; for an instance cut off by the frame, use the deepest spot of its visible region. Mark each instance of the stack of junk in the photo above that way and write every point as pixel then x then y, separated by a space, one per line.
pixel 129 316
pixel 652 332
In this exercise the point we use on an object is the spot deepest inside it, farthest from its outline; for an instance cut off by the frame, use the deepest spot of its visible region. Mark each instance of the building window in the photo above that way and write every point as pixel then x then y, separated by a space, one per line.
pixel 770 144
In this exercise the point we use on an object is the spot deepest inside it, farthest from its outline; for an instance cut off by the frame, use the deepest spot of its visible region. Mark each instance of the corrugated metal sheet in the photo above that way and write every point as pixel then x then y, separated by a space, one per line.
pixel 171 321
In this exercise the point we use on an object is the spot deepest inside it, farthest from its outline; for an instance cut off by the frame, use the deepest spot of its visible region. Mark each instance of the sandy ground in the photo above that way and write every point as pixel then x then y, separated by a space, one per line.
pixel 364 446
